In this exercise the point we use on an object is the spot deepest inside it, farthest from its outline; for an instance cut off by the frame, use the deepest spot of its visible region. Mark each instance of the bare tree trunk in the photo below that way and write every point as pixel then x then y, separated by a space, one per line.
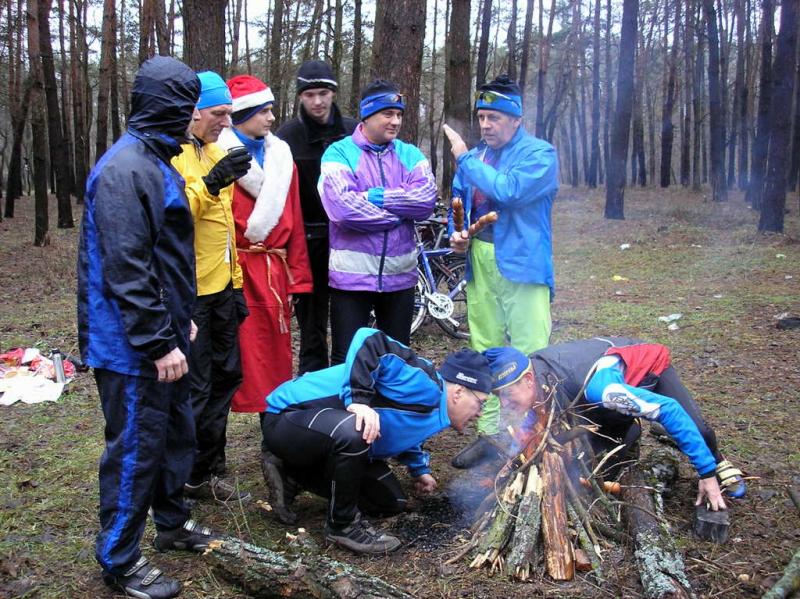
pixel 248 59
pixel 511 40
pixel 483 47
pixel 774 202
pixel 686 122
pixel 667 129
pixel 737 128
pixel 745 106
pixel 698 155
pixel 544 58
pixel 761 144
pixel 78 88
pixel 615 189
pixel 638 166
pixel 355 85
pixel 526 47
pixel 432 132
pixel 236 27
pixel 204 34
pixel 457 106
pixel 336 57
pixel 275 52
pixel 58 155
pixel 591 179
pixel 18 104
pixel 104 79
pixel 38 128
pixel 401 63
pixel 609 93
pixel 715 108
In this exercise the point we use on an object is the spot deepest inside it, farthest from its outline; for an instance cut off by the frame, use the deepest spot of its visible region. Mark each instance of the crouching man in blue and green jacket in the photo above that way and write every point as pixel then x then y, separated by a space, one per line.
pixel 331 431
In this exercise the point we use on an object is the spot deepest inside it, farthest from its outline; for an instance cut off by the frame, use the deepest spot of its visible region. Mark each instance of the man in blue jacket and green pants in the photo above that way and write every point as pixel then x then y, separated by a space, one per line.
pixel 510 263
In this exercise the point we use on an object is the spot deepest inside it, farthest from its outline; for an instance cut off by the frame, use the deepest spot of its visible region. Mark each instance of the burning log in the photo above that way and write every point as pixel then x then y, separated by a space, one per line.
pixel 558 556
pixel 264 573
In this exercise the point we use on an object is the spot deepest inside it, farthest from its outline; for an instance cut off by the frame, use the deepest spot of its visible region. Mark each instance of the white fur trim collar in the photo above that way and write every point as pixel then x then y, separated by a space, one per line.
pixel 270 198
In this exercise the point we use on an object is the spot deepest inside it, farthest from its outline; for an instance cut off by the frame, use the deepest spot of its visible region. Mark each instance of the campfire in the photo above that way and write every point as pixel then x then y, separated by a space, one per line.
pixel 550 511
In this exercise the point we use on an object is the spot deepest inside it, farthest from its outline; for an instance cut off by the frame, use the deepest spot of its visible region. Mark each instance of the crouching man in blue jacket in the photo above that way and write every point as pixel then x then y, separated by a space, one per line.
pixel 331 431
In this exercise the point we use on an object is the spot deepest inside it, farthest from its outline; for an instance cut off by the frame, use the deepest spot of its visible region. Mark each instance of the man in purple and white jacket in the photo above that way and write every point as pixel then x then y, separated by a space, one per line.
pixel 373 186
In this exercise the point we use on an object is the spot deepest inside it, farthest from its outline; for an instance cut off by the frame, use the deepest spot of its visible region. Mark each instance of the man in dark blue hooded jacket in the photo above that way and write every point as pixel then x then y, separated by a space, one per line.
pixel 136 288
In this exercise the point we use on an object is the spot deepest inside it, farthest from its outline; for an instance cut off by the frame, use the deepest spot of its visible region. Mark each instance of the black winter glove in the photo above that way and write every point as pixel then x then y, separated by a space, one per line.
pixel 227 170
pixel 241 305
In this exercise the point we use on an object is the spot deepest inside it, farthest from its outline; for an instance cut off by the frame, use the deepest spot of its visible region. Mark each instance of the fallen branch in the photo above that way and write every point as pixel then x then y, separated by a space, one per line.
pixel 789 583
pixel 266 574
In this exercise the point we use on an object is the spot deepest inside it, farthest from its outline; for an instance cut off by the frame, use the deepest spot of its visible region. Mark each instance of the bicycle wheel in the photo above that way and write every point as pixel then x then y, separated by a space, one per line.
pixel 420 302
pixel 452 275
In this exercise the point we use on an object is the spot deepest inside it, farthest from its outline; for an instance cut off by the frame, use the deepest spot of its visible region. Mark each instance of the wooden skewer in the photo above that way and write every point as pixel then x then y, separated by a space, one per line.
pixel 487 219
pixel 458 213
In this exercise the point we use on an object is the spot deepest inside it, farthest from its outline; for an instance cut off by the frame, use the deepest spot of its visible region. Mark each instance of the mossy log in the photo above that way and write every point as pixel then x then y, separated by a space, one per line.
pixel 660 565
pixel 265 574
pixel 789 583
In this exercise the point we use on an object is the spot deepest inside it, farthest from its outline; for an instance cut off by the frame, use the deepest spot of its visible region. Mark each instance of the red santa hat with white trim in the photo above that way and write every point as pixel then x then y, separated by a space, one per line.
pixel 250 95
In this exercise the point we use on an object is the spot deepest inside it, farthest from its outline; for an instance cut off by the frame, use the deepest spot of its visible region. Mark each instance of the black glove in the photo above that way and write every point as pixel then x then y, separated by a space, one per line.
pixel 227 170
pixel 241 305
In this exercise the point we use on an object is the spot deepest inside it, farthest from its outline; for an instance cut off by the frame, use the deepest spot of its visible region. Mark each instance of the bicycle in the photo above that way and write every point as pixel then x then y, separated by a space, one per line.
pixel 441 284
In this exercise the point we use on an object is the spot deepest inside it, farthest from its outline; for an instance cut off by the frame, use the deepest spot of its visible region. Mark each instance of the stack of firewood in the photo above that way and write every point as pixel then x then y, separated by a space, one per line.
pixel 550 511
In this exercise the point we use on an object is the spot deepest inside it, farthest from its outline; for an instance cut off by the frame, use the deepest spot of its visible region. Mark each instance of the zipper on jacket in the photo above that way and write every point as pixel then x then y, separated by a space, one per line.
pixel 385 233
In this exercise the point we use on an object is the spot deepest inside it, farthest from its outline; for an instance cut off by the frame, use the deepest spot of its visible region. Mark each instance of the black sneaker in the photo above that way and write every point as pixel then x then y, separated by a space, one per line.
pixel 281 489
pixel 360 537
pixel 143 581
pixel 189 537
pixel 216 489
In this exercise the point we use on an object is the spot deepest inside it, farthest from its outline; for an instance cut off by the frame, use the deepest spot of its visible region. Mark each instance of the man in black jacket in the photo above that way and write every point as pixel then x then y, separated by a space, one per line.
pixel 318 125
pixel 136 289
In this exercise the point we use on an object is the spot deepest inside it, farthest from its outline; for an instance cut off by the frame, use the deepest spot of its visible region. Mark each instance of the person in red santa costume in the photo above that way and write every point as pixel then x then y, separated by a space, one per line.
pixel 270 241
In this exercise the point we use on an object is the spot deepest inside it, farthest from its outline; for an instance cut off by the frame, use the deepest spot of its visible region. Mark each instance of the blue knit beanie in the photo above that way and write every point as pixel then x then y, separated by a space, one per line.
pixel 469 369
pixel 503 94
pixel 380 95
pixel 213 91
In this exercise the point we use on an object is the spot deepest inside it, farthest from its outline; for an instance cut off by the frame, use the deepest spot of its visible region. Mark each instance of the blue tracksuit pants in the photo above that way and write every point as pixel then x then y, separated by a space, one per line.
pixel 149 453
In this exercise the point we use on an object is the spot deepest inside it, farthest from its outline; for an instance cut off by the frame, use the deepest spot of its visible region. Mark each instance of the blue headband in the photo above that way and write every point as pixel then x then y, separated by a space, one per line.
pixel 383 101
pixel 492 100
pixel 213 91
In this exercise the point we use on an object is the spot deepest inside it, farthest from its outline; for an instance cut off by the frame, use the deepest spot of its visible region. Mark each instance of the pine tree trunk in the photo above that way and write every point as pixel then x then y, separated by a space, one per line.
pixel 104 79
pixel 457 105
pixel 715 107
pixel 204 35
pixel 774 202
pixel 609 93
pixel 511 40
pixel 78 108
pixel 526 47
pixel 591 179
pixel 38 128
pixel 667 129
pixel 275 72
pixel 697 105
pixel 58 153
pixel 336 56
pixel 544 59
pixel 483 46
pixel 355 85
pixel 401 63
pixel 686 122
pixel 615 189
pixel 758 164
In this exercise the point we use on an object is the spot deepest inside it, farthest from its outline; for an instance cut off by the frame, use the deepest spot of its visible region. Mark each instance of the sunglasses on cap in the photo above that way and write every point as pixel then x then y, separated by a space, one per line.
pixel 490 97
pixel 389 98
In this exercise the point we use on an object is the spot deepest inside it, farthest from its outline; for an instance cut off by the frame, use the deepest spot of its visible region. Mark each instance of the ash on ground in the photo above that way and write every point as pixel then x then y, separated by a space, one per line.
pixel 435 522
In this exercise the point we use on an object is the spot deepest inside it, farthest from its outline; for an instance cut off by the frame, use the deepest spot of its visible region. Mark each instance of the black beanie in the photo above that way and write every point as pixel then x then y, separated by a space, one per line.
pixel 468 368
pixel 315 74
pixel 503 84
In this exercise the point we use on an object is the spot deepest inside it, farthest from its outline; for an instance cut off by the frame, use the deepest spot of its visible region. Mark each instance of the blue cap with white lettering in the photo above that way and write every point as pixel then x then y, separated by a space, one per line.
pixel 468 368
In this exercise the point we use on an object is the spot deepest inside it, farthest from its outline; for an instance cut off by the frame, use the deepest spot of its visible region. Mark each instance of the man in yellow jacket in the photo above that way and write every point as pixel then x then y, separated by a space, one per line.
pixel 215 368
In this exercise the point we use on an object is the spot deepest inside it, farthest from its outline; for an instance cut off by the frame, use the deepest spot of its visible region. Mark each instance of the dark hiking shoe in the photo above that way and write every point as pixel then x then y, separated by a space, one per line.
pixel 281 489
pixel 189 537
pixel 143 581
pixel 481 450
pixel 216 489
pixel 360 537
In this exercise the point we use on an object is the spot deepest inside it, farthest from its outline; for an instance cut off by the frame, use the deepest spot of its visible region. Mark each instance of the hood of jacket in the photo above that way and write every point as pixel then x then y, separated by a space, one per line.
pixel 163 98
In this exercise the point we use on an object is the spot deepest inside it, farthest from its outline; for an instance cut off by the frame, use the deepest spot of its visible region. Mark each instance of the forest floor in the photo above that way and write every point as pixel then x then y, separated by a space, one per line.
pixel 687 255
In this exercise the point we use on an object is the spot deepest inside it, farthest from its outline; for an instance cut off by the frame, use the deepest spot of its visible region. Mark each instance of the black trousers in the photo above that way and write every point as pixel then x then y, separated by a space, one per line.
pixel 215 372
pixel 322 450
pixel 149 436
pixel 627 430
pixel 350 310
pixel 311 310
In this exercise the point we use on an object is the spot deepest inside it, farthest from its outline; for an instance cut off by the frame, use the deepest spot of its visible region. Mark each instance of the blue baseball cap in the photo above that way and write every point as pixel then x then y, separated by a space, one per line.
pixel 508 365
pixel 213 90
